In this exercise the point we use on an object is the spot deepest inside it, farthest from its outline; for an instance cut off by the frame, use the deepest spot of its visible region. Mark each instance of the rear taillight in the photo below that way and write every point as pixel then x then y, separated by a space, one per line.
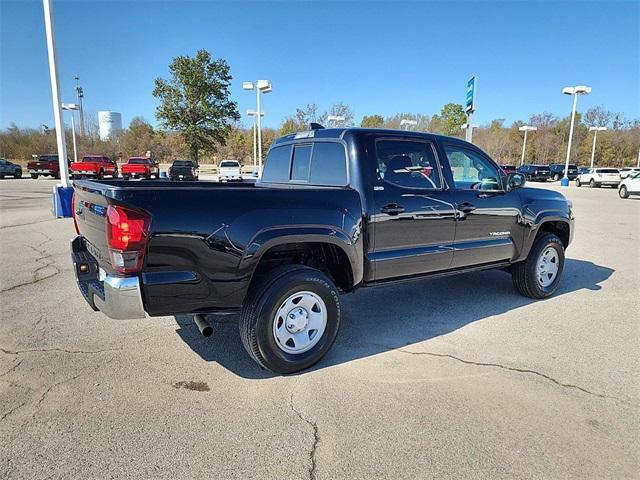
pixel 73 212
pixel 127 235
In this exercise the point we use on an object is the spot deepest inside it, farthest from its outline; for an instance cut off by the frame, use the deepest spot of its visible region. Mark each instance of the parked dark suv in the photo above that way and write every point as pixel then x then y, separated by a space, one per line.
pixel 536 173
pixel 557 171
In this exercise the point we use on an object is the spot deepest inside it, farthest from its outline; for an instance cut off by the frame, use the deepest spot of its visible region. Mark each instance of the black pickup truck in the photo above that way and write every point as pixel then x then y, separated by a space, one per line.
pixel 335 210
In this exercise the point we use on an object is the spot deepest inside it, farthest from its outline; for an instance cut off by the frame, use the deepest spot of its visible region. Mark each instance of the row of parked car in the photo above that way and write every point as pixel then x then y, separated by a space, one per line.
pixel 582 175
pixel 100 166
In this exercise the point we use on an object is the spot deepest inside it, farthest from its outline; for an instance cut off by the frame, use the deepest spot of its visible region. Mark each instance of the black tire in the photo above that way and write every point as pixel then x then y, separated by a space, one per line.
pixel 578 184
pixel 100 175
pixel 524 273
pixel 34 176
pixel 592 183
pixel 125 177
pixel 261 306
pixel 623 192
pixel 556 177
pixel 17 173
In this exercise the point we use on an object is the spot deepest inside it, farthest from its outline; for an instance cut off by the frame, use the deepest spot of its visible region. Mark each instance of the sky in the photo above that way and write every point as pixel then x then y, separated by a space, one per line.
pixel 378 57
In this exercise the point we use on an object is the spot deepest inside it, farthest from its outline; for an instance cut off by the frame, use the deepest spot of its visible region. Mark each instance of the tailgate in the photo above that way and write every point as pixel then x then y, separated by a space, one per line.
pixel 90 209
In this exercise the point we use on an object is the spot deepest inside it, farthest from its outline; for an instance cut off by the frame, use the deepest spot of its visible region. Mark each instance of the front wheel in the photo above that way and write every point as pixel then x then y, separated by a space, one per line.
pixel 34 176
pixel 578 184
pixel 623 192
pixel 592 183
pixel 539 275
pixel 291 318
pixel 556 177
pixel 17 173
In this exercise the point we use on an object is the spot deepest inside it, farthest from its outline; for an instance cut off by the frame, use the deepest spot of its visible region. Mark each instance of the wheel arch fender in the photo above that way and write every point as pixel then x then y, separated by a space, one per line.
pixel 552 221
pixel 269 238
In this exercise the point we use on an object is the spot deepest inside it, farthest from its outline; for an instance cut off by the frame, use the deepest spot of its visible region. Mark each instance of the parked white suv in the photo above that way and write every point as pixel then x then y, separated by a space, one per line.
pixel 628 172
pixel 630 186
pixel 230 171
pixel 597 177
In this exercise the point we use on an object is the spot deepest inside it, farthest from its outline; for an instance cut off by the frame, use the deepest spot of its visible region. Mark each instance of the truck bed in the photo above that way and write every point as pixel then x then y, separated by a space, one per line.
pixel 205 236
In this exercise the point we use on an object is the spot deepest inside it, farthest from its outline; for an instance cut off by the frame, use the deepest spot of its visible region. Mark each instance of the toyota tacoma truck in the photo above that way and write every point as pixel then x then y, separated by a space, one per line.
pixel 335 210
pixel 97 166
pixel 140 167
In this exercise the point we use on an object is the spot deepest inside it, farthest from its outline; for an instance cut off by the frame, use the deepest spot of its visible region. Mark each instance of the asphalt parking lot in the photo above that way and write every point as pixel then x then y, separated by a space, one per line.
pixel 449 378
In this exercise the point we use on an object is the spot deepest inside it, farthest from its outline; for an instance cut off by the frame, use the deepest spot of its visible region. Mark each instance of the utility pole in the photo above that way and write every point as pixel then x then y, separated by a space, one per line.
pixel 80 95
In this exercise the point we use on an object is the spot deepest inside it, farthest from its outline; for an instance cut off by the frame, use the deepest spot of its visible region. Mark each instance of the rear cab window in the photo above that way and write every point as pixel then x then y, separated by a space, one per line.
pixel 316 163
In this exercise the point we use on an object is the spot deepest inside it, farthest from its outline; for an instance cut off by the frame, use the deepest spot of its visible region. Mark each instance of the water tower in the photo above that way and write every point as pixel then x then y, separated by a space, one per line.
pixel 109 124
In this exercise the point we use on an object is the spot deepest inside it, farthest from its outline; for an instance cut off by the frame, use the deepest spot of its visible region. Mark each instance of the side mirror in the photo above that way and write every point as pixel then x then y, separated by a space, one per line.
pixel 515 180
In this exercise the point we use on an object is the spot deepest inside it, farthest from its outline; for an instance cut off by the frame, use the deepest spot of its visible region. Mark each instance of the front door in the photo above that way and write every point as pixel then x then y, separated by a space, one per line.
pixel 488 228
pixel 414 215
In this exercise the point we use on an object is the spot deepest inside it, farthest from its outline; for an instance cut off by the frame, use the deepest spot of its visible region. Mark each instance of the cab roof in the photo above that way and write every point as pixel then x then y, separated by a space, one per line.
pixel 340 133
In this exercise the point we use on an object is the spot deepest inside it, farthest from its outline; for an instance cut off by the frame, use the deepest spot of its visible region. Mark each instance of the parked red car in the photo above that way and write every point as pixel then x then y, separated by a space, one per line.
pixel 44 165
pixel 140 167
pixel 94 166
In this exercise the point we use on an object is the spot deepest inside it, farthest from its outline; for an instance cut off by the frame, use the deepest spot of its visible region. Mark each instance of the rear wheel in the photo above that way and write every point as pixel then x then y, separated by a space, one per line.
pixel 290 319
pixel 125 177
pixel 34 176
pixel 592 183
pixel 623 192
pixel 17 173
pixel 578 184
pixel 539 275
pixel 100 175
pixel 556 177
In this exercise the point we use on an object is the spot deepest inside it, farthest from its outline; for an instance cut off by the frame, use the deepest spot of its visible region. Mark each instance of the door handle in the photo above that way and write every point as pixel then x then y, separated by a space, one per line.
pixel 466 207
pixel 392 209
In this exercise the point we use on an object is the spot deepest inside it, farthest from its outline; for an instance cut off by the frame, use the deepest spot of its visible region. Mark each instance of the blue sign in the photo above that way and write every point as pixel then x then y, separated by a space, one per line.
pixel 471 93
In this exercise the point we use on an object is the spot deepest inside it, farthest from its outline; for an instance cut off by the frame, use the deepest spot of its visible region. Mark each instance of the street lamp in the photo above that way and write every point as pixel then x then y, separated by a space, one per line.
pixel 254 114
pixel 575 91
pixel 261 86
pixel 525 129
pixel 334 118
pixel 72 107
pixel 406 122
pixel 595 131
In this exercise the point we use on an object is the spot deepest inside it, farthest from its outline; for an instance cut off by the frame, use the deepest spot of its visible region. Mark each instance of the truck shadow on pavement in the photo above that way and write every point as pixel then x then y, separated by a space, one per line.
pixel 383 318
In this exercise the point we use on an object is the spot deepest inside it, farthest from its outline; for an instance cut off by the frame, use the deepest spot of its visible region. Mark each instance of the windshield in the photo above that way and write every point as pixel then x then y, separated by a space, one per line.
pixel 229 164
pixel 183 163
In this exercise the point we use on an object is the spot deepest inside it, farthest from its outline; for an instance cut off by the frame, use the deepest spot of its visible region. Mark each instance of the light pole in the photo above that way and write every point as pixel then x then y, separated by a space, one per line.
pixel 72 107
pixel 525 129
pixel 55 95
pixel 254 114
pixel 595 131
pixel 261 86
pixel 406 122
pixel 575 91
pixel 334 118
pixel 80 95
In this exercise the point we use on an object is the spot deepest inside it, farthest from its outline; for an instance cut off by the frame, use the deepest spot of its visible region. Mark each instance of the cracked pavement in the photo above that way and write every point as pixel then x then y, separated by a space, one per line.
pixel 452 378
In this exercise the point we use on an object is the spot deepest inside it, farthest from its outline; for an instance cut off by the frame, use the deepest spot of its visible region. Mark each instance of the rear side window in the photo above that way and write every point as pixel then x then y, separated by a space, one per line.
pixel 408 164
pixel 301 163
pixel 328 165
pixel 276 167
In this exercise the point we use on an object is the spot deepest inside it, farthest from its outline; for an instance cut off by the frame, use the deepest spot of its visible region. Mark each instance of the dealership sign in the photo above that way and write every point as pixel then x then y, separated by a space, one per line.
pixel 471 94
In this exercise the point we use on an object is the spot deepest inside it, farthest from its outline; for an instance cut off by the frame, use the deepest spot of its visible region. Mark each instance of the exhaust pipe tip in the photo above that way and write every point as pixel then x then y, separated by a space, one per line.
pixel 205 328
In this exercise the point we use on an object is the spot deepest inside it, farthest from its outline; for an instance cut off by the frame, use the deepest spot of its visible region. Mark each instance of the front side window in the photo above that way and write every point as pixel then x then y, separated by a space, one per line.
pixel 410 164
pixel 471 171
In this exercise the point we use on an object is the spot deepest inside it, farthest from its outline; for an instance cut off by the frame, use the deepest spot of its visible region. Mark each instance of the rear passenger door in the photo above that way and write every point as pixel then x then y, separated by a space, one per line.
pixel 414 213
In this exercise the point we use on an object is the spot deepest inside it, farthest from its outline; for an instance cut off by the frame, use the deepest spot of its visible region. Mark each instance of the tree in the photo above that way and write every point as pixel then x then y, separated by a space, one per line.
pixel 341 109
pixel 290 125
pixel 372 121
pixel 195 101
pixel 451 118
pixel 308 114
